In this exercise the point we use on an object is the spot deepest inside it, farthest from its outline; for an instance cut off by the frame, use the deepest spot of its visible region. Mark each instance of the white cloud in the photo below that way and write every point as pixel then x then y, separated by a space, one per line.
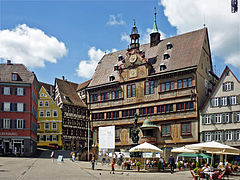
pixel 30 46
pixel 125 37
pixel 144 36
pixel 223 26
pixel 86 68
pixel 115 20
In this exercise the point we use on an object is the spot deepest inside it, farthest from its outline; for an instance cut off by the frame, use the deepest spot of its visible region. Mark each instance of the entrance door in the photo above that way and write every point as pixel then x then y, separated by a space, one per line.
pixel 6 148
pixel 17 148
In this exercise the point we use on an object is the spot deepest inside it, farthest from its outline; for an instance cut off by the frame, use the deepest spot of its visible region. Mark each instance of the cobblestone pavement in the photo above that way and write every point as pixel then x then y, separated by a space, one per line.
pixel 44 169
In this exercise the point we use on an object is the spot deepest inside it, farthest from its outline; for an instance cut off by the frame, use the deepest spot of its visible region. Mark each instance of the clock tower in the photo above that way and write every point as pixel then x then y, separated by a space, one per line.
pixel 134 37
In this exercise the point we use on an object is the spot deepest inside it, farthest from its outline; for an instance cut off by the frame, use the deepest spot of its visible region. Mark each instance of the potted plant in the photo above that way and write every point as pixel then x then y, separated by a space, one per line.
pixel 179 165
pixel 159 165
pixel 138 164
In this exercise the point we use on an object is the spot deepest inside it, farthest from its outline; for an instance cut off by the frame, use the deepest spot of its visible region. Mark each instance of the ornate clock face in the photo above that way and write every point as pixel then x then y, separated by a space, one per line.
pixel 133 58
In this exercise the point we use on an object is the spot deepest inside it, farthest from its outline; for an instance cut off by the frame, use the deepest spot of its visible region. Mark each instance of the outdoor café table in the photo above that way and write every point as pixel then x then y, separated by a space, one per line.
pixel 209 173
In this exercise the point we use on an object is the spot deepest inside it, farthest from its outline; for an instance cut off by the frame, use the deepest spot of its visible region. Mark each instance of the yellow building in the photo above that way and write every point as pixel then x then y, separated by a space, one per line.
pixel 49 121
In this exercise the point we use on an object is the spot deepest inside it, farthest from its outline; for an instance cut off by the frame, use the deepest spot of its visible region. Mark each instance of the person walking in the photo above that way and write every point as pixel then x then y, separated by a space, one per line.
pixel 73 156
pixel 93 163
pixel 52 156
pixel 171 162
pixel 113 167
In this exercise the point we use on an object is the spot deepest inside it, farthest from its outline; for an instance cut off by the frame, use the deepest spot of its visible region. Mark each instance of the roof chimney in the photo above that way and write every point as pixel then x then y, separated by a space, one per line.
pixel 8 62
pixel 63 78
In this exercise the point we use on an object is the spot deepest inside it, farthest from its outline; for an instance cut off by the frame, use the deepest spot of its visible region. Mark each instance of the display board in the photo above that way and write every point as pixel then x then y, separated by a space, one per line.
pixel 106 137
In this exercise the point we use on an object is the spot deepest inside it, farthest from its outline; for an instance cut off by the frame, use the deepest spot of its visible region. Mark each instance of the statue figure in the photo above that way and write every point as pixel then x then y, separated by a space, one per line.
pixel 135 131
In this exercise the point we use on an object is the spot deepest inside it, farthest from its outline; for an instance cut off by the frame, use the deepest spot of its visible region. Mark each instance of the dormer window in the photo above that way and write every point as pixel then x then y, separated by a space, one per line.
pixel 166 56
pixel 115 67
pixel 14 76
pixel 68 99
pixel 120 58
pixel 111 78
pixel 169 45
pixel 162 67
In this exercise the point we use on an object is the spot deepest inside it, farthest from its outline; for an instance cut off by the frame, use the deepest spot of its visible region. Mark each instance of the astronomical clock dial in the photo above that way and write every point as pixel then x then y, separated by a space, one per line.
pixel 133 58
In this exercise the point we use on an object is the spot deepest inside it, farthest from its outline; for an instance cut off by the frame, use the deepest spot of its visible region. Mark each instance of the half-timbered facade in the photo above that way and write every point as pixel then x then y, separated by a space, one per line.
pixel 74 115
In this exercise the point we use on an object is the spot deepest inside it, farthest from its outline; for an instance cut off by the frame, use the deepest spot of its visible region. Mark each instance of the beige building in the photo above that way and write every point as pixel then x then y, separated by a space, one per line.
pixel 220 116
pixel 166 81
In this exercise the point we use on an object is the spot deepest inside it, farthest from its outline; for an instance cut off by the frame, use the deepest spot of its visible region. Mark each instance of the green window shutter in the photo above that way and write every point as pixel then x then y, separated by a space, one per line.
pixel 57 137
pixel 15 90
pixel 203 136
pixel 1 123
pixel 213 119
pixel 24 124
pixel 24 91
pixel 10 123
pixel 234 116
pixel 223 118
pixel 228 101
pixel 50 137
pixel 230 117
pixel 11 107
pixel 223 87
pixel 44 137
pixel 212 136
pixel 11 91
pixel 15 107
pixel 234 135
pixel 223 136
pixel 203 119
pixel 15 123
pixel 219 102
pixel 210 102
pixel 232 85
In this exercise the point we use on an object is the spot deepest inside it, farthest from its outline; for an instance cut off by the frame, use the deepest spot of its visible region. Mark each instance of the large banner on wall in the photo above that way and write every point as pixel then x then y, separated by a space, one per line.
pixel 106 137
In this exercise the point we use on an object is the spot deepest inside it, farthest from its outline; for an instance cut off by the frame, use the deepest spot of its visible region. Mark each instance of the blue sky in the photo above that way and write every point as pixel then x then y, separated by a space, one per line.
pixel 61 36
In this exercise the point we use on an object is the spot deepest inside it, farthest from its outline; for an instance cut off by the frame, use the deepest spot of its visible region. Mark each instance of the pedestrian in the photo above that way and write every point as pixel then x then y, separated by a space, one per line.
pixel 73 156
pixel 171 162
pixel 113 167
pixel 52 156
pixel 93 163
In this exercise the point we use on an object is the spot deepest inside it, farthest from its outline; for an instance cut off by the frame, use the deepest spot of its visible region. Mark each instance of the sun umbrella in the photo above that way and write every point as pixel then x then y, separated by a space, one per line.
pixel 213 147
pixel 145 147
pixel 194 155
pixel 183 150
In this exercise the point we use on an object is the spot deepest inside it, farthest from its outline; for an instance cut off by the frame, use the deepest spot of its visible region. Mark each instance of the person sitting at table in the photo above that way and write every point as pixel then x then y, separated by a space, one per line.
pixel 206 169
pixel 228 169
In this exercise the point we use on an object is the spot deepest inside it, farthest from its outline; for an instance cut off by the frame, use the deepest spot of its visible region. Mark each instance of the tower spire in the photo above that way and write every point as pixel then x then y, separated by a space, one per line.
pixel 134 37
pixel 155 29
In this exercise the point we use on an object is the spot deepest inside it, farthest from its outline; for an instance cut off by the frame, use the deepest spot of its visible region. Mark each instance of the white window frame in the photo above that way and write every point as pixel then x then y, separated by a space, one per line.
pixel 215 102
pixel 228 86
pixel 48 138
pixel 238 135
pixel 208 136
pixel 54 123
pixel 207 119
pixel 6 123
pixel 46 103
pixel 40 103
pixel 48 111
pixel 218 136
pixel 20 92
pixel 6 106
pixel 6 91
pixel 42 95
pixel 54 137
pixel 55 110
pixel 227 117
pixel 41 113
pixel 20 107
pixel 218 118
pixel 20 123
pixel 238 116
pixel 14 77
pixel 47 128
pixel 233 100
pixel 224 101
pixel 229 135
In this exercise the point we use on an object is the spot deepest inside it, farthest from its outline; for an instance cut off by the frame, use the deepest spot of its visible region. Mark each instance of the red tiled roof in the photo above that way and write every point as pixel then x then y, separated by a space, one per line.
pixel 185 53
pixel 6 71
pixel 68 92
pixel 83 85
